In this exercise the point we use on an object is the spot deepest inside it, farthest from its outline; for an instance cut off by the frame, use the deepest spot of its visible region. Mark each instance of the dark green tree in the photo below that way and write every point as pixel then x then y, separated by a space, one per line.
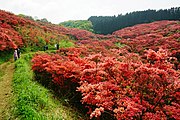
pixel 109 24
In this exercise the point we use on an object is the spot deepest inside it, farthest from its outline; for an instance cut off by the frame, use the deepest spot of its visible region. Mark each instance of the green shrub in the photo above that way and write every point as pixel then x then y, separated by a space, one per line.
pixel 65 44
pixel 118 44
pixel 80 24
pixel 5 55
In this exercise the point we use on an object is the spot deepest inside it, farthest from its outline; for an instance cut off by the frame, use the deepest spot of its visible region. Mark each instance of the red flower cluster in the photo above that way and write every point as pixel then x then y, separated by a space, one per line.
pixel 160 34
pixel 9 38
pixel 21 31
pixel 125 86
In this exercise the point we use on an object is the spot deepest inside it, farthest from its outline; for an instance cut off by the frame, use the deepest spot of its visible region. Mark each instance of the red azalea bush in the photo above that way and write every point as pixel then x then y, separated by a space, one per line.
pixel 162 27
pixel 160 34
pixel 131 89
pixel 9 38
pixel 128 87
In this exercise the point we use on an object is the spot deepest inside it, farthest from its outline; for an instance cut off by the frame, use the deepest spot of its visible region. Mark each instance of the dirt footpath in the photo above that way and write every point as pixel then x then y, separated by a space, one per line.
pixel 6 76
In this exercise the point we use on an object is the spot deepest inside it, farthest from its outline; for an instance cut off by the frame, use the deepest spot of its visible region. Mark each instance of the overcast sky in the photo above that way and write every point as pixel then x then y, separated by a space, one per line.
pixel 57 11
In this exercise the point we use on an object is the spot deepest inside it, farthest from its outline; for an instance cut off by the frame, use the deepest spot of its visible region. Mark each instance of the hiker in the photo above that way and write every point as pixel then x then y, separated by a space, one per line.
pixel 15 55
pixel 18 52
pixel 57 46
pixel 45 47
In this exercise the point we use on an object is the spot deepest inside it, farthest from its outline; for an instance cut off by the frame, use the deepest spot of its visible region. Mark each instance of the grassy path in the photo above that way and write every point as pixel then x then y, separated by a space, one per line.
pixel 6 76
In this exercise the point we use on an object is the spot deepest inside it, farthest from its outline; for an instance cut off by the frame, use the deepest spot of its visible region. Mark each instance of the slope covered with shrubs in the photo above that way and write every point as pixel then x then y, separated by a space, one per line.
pixel 133 74
pixel 21 32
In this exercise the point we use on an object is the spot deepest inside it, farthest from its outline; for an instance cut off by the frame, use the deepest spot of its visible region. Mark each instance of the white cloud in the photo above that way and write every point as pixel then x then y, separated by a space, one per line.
pixel 61 10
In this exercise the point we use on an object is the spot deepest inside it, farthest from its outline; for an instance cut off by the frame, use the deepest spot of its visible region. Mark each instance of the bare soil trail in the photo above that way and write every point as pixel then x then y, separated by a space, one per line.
pixel 6 76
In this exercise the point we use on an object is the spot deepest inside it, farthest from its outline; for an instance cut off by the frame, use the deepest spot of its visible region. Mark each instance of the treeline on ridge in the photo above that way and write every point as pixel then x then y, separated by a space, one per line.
pixel 80 24
pixel 109 24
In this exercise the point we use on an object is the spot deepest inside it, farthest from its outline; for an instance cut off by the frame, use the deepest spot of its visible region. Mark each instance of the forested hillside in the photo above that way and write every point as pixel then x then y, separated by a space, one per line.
pixel 80 24
pixel 109 24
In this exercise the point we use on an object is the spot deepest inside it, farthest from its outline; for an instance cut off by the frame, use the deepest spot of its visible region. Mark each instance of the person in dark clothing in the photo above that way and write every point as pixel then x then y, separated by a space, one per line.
pixel 18 52
pixel 57 46
pixel 45 47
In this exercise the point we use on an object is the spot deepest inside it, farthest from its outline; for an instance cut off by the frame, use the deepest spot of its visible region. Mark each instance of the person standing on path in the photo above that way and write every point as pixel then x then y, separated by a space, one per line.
pixel 57 46
pixel 45 47
pixel 15 55
pixel 18 53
